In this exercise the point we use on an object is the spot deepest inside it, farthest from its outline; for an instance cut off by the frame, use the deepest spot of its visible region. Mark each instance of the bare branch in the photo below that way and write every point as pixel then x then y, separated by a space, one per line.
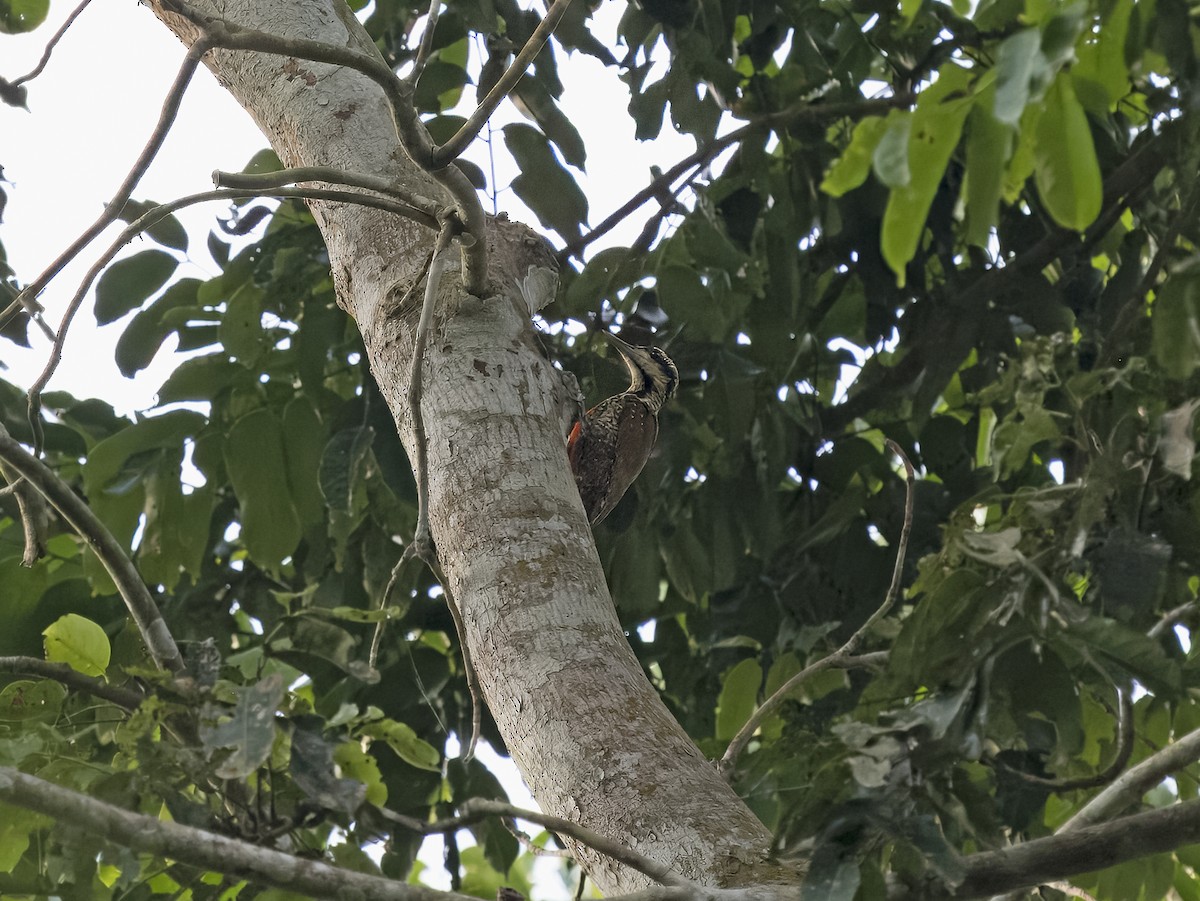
pixel 133 591
pixel 771 704
pixel 422 543
pixel 426 46
pixel 454 147
pixel 420 209
pixel 50 45
pixel 478 809
pixel 1170 618
pixel 703 155
pixel 60 672
pixel 1127 789
pixel 412 134
pixel 208 850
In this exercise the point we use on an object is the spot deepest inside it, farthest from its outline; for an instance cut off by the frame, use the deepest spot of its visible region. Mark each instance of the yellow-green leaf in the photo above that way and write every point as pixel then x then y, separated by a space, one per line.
pixel 1067 172
pixel 851 168
pixel 936 126
pixel 739 697
pixel 989 144
pixel 79 643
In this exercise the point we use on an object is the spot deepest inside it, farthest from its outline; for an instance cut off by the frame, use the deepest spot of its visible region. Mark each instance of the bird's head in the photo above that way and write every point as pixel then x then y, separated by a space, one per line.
pixel 652 375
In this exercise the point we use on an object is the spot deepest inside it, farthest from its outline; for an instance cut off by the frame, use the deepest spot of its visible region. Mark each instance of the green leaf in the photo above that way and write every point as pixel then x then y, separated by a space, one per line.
pixel 936 126
pixel 738 698
pixel 1022 73
pixel 1068 174
pixel 24 700
pixel 851 168
pixel 1100 73
pixel 554 122
pixel 359 765
pixel 167 231
pixel 408 746
pixel 111 456
pixel 544 185
pixel 17 825
pixel 343 466
pixel 1175 320
pixel 257 466
pixel 241 330
pixel 18 16
pixel 79 643
pixel 1137 653
pixel 890 160
pixel 250 731
pixel 147 330
pixel 989 145
pixel 127 283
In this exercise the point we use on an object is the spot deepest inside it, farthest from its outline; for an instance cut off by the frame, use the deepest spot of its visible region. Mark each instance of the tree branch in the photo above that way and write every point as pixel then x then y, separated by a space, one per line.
pixel 411 133
pixel 1079 851
pixel 454 147
pixel 426 46
pixel 50 45
pixel 133 591
pixel 263 866
pixel 771 704
pixel 1127 789
pixel 479 809
pixel 419 209
pixel 60 672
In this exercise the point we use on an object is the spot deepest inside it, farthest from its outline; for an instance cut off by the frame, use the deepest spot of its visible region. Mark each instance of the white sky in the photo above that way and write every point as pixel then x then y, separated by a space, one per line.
pixel 90 113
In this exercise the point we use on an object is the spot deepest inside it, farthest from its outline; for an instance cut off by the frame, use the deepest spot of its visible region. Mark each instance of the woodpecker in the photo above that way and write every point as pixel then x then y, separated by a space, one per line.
pixel 611 444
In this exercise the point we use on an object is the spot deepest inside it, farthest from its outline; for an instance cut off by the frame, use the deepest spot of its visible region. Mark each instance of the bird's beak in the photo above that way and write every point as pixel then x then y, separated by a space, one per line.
pixel 617 342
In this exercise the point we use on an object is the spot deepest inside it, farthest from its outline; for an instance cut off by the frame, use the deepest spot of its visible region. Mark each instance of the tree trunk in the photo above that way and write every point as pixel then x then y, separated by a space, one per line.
pixel 587 730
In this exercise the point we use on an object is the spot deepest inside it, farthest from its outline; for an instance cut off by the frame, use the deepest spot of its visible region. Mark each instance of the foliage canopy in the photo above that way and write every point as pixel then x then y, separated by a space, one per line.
pixel 972 231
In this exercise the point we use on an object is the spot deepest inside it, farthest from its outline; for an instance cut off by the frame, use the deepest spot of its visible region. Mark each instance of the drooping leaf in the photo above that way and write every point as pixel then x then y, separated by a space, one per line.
pixel 544 185
pixel 1068 174
pixel 128 283
pixel 257 465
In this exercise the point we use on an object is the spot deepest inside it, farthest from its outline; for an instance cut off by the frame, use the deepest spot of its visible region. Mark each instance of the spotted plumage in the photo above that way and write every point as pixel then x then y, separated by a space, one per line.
pixel 611 444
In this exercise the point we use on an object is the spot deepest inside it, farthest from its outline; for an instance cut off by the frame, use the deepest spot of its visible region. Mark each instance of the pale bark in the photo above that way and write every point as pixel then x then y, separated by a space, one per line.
pixel 588 732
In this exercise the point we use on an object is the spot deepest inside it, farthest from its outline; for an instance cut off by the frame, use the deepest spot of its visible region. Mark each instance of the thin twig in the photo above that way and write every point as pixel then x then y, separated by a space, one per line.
pixel 477 809
pixel 71 678
pixel 28 297
pixel 1170 618
pixel 703 155
pixel 470 129
pixel 771 704
pixel 1124 751
pixel 133 590
pixel 50 45
pixel 422 544
pixel 528 844
pixel 425 48
pixel 161 211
